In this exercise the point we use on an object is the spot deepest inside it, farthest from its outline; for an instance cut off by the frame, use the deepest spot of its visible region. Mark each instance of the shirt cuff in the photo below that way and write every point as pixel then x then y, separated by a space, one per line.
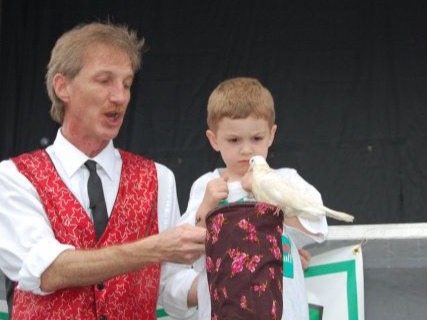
pixel 302 239
pixel 174 297
pixel 38 260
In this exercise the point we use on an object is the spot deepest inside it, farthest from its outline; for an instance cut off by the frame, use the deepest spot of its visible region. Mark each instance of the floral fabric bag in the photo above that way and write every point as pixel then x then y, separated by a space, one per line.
pixel 244 261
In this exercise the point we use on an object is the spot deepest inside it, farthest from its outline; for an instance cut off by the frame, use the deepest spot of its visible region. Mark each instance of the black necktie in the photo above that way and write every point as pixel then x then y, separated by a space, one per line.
pixel 97 200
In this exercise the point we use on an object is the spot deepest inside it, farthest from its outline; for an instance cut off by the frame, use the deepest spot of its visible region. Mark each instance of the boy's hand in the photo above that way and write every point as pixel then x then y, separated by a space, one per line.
pixel 216 190
pixel 247 181
pixel 305 258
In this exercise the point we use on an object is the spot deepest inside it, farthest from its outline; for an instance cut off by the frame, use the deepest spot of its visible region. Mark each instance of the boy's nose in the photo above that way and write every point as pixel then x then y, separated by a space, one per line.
pixel 246 150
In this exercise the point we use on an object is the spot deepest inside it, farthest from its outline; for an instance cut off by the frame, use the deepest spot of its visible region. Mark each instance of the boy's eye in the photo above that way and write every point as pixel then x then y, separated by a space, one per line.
pixel 258 138
pixel 232 140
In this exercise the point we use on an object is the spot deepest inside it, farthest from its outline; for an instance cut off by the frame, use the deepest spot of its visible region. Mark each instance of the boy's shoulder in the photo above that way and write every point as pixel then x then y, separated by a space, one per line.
pixel 208 176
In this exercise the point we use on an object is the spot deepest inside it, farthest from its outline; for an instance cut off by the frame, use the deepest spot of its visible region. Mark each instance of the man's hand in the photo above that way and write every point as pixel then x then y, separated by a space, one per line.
pixel 182 244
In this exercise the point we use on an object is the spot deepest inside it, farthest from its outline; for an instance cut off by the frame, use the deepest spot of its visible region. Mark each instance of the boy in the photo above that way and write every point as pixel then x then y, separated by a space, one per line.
pixel 241 121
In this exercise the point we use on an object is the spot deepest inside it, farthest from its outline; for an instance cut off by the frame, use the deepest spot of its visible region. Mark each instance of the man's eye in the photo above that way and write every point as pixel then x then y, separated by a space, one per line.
pixel 104 81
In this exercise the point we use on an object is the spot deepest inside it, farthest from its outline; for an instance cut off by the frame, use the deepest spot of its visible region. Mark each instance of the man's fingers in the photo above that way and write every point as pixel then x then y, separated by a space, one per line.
pixel 195 233
pixel 192 241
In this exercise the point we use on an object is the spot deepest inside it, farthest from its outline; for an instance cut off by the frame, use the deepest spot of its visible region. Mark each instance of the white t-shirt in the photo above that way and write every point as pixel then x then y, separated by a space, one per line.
pixel 295 304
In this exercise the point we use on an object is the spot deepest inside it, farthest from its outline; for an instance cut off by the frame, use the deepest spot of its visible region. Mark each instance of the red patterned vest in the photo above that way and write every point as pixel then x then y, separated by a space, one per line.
pixel 134 216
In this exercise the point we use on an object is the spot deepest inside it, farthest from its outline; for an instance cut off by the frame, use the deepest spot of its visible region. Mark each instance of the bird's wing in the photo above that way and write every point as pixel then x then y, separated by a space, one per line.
pixel 270 187
pixel 292 199
pixel 277 190
pixel 269 190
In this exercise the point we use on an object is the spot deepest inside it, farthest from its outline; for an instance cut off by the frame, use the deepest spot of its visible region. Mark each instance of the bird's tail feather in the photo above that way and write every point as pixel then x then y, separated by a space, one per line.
pixel 338 215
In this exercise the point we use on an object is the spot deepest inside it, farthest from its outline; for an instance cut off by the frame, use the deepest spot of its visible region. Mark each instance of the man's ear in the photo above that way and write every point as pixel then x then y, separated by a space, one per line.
pixel 60 86
pixel 212 139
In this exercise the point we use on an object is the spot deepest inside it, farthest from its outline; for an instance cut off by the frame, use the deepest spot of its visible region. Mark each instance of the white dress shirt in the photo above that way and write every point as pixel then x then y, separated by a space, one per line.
pixel 27 243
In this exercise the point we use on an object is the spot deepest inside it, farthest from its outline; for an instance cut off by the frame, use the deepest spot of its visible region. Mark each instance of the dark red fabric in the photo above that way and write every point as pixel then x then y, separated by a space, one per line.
pixel 244 261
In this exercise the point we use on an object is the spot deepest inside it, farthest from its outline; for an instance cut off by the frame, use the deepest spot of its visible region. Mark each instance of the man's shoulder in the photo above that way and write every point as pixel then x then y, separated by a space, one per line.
pixel 6 165
pixel 163 170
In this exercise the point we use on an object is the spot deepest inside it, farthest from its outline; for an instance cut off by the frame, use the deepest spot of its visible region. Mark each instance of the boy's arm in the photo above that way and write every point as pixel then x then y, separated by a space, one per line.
pixel 305 258
pixel 205 195
pixel 177 289
pixel 175 278
pixel 295 222
pixel 216 190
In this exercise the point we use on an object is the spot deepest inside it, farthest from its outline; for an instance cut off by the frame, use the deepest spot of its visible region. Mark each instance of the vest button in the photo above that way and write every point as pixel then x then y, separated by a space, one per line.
pixel 103 317
pixel 100 286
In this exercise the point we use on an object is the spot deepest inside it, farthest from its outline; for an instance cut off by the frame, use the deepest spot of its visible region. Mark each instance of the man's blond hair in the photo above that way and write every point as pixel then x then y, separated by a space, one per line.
pixel 68 54
pixel 238 98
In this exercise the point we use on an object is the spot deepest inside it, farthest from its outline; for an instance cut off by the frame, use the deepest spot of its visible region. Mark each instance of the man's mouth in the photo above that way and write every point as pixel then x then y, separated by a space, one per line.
pixel 113 115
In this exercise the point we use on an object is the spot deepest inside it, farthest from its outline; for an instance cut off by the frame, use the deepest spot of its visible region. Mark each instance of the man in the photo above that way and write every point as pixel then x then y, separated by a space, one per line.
pixel 64 264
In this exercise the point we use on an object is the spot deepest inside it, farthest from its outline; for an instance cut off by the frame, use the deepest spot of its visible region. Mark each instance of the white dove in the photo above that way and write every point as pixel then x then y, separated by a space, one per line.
pixel 269 187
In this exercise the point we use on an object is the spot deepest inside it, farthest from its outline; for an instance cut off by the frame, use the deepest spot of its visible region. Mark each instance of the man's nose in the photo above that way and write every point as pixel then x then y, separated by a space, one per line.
pixel 119 94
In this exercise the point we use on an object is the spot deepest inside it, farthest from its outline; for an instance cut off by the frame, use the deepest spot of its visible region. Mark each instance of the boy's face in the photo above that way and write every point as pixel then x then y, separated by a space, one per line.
pixel 238 140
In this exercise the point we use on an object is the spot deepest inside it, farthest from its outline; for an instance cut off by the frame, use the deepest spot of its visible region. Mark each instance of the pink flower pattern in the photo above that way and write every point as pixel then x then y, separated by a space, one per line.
pixel 274 310
pixel 271 273
pixel 224 292
pixel 260 288
pixel 275 249
pixel 248 251
pixel 218 221
pixel 209 264
pixel 243 302
pixel 243 260
pixel 244 224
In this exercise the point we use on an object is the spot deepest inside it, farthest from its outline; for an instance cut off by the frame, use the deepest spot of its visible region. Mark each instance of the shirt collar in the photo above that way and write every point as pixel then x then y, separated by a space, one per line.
pixel 72 159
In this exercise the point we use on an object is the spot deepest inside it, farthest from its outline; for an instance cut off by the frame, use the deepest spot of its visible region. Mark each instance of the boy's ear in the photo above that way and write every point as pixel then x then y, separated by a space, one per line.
pixel 212 139
pixel 272 134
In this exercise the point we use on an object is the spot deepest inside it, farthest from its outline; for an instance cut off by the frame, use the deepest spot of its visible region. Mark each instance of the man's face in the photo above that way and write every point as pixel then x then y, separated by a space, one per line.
pixel 97 98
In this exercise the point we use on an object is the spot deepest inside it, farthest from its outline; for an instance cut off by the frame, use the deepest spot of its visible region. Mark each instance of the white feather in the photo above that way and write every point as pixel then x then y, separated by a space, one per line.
pixel 269 187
